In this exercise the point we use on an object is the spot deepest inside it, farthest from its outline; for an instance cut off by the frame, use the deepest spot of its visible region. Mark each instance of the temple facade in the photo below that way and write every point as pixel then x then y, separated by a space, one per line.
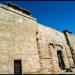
pixel 27 47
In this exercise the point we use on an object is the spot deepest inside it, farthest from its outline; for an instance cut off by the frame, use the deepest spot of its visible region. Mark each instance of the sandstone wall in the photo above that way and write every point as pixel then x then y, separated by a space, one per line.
pixel 50 41
pixel 71 39
pixel 36 45
pixel 17 41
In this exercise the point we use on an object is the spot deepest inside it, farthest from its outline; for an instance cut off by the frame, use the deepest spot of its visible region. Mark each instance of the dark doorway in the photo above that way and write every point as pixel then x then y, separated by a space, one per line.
pixel 17 67
pixel 60 60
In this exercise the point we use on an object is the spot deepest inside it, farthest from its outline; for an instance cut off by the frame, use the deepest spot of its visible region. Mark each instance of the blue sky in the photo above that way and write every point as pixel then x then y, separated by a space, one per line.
pixel 59 15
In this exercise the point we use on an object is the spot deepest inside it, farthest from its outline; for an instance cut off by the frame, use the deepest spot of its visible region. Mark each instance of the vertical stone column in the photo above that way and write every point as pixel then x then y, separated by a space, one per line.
pixel 69 56
pixel 45 59
pixel 66 33
pixel 65 57
pixel 55 66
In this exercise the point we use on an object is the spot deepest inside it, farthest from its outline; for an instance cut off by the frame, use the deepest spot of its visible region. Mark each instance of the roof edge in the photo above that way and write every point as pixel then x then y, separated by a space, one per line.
pixel 18 8
pixel 6 7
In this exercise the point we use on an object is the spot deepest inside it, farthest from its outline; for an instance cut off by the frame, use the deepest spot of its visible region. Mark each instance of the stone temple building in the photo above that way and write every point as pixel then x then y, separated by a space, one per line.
pixel 27 47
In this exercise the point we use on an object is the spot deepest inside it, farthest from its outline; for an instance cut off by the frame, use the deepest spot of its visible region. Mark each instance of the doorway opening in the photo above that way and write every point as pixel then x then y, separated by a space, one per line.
pixel 17 67
pixel 60 60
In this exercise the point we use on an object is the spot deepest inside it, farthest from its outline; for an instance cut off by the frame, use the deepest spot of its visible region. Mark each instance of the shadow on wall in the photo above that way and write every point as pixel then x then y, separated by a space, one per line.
pixel 68 43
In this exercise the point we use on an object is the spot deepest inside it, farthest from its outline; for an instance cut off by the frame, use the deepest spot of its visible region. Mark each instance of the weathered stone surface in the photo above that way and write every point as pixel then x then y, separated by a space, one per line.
pixel 38 52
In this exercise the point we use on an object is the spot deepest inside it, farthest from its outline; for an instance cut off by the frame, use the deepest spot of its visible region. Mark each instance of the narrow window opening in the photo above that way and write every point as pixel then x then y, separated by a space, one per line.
pixel 17 67
pixel 60 60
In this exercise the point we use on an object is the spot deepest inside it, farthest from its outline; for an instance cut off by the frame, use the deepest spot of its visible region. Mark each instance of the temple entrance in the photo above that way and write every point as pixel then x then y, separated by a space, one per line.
pixel 17 67
pixel 60 60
